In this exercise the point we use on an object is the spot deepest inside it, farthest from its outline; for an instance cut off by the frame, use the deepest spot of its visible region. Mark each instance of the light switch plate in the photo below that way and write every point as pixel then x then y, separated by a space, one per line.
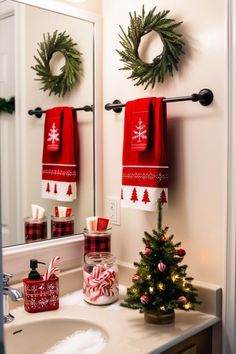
pixel 113 209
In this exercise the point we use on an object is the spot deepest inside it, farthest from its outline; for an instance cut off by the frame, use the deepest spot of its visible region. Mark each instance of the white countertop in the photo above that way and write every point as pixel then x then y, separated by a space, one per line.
pixel 126 330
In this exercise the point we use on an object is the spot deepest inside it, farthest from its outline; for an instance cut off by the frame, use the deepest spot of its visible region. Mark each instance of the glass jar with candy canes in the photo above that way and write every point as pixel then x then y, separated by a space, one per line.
pixel 100 278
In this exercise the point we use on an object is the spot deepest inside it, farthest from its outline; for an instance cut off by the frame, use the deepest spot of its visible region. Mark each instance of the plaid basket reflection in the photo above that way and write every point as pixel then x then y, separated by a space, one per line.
pixel 62 226
pixel 97 241
pixel 35 229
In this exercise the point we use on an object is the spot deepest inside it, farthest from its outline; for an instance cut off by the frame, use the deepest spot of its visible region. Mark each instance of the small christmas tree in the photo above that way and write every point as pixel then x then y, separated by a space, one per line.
pixel 160 283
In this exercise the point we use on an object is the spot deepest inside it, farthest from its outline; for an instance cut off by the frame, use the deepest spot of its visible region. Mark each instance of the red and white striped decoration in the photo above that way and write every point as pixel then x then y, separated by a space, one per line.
pixel 161 267
pixel 101 282
pixel 51 269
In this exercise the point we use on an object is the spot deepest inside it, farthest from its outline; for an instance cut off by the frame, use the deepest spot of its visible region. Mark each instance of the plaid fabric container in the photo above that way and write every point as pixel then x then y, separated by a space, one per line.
pixel 97 241
pixel 41 295
pixel 35 229
pixel 62 226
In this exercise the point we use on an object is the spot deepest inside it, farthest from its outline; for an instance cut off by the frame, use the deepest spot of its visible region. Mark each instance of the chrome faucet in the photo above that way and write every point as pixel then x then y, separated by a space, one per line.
pixel 14 294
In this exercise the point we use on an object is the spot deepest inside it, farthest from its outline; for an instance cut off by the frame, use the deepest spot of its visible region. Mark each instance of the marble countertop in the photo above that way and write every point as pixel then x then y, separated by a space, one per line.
pixel 125 329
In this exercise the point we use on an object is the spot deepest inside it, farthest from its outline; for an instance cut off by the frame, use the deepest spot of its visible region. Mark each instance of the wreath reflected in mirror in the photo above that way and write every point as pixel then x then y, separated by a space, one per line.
pixel 7 106
pixel 70 72
pixel 164 63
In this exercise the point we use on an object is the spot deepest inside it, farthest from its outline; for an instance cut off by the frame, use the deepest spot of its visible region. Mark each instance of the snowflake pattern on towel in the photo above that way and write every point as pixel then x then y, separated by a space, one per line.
pixel 140 133
pixel 53 134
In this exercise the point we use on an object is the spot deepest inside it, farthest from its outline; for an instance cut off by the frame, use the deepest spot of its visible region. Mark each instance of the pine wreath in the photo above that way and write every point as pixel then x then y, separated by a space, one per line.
pixel 70 72
pixel 7 106
pixel 165 62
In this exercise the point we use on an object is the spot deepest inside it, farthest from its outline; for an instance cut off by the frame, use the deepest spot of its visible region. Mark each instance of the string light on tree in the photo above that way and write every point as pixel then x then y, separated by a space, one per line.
pixel 160 286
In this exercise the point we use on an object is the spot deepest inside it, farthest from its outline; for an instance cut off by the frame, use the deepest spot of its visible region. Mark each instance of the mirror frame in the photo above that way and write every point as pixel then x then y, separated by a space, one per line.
pixel 16 258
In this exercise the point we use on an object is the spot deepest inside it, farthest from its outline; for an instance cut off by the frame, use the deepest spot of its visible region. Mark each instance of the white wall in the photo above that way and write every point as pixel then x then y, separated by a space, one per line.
pixel 197 135
pixel 94 6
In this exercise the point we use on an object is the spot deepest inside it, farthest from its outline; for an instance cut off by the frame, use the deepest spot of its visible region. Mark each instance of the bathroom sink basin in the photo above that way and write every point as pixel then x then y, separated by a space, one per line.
pixel 38 336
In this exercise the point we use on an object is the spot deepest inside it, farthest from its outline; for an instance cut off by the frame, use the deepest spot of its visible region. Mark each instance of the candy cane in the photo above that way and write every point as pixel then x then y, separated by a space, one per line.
pixel 51 269
pixel 100 281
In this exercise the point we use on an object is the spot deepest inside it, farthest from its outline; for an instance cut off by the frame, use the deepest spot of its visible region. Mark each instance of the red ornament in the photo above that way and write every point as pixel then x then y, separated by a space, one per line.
pixel 147 244
pixel 161 267
pixel 182 299
pixel 147 251
pixel 181 252
pixel 163 238
pixel 144 299
pixel 135 277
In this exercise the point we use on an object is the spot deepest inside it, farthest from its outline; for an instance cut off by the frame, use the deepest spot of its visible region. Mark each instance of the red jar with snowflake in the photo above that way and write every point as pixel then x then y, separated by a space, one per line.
pixel 100 278
pixel 41 295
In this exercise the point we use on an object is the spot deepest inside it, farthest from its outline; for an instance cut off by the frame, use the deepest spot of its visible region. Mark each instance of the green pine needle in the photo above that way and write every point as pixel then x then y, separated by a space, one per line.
pixel 70 72
pixel 166 62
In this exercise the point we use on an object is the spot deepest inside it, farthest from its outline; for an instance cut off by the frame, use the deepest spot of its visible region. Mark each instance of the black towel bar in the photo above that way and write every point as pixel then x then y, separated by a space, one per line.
pixel 204 97
pixel 38 112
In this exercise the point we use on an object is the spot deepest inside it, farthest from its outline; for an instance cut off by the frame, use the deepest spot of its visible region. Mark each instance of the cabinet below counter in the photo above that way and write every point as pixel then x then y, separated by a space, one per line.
pixel 200 343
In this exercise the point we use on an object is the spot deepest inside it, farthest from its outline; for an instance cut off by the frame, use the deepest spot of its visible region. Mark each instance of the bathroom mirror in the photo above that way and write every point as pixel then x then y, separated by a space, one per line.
pixel 22 135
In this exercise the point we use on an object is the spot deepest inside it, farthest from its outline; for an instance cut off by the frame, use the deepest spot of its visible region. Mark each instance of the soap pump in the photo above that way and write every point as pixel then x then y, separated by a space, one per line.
pixel 34 274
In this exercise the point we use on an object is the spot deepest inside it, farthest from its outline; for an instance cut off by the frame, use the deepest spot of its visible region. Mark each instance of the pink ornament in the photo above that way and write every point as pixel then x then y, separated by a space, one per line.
pixel 182 299
pixel 147 251
pixel 163 238
pixel 144 299
pixel 135 277
pixel 161 267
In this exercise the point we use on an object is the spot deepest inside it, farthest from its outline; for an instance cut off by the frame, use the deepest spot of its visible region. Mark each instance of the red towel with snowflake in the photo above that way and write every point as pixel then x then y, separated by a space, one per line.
pixel 60 154
pixel 144 165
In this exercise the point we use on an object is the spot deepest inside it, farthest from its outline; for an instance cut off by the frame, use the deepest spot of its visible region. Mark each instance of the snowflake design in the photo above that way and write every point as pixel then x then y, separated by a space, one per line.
pixel 51 289
pixel 53 134
pixel 66 173
pixel 141 131
pixel 32 303
pixel 53 300
pixel 34 289
pixel 146 176
pixel 43 302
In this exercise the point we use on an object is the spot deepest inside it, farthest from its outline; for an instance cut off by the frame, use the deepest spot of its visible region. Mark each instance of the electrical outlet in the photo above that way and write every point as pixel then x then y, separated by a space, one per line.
pixel 113 206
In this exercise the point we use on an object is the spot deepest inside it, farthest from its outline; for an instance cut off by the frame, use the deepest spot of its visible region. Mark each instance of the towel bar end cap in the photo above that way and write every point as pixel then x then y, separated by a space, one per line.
pixel 205 97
